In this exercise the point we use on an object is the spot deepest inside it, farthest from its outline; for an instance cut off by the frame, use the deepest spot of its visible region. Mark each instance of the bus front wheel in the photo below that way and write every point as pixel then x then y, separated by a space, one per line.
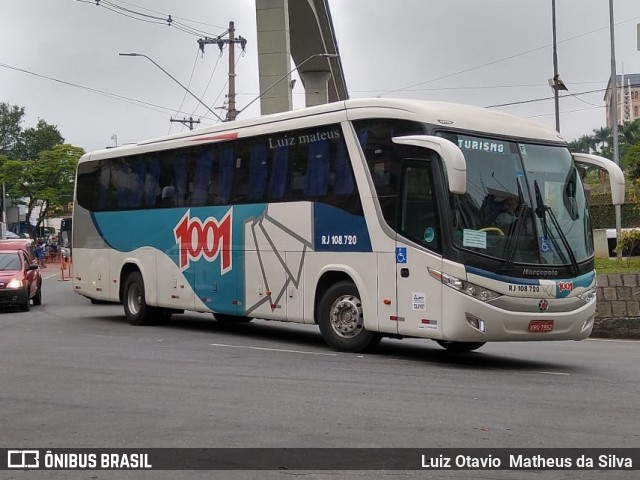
pixel 460 347
pixel 341 320
pixel 136 309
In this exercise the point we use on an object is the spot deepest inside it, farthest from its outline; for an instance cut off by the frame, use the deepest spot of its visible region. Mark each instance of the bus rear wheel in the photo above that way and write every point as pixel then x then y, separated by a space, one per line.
pixel 460 347
pixel 136 310
pixel 341 319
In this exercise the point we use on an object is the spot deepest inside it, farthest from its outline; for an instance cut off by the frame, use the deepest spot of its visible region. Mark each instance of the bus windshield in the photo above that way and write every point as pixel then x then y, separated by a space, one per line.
pixel 524 203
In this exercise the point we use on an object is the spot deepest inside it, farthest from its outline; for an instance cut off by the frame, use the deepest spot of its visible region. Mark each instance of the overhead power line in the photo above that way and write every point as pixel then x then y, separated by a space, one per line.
pixel 533 100
pixel 132 101
pixel 158 18
pixel 510 57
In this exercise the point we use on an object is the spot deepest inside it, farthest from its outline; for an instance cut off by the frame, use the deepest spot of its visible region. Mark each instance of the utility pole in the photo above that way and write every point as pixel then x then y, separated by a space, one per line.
pixel 555 67
pixel 614 113
pixel 221 42
pixel 188 122
pixel 555 83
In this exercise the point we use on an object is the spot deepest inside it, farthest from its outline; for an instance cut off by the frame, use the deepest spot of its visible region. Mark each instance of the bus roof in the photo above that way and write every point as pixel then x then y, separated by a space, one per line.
pixel 452 115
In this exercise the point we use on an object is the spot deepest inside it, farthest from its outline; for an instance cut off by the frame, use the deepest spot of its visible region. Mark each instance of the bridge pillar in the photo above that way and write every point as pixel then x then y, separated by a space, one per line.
pixel 316 87
pixel 274 55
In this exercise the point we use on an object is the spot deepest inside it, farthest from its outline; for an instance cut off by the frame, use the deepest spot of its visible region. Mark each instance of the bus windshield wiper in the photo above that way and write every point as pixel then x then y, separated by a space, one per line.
pixel 541 211
pixel 512 243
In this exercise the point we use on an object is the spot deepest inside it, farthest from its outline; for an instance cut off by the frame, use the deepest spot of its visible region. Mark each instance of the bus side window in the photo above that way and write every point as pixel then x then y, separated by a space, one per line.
pixel 317 171
pixel 173 178
pixel 151 179
pixel 129 182
pixel 257 172
pixel 200 172
pixel 278 173
pixel 103 185
pixel 297 169
pixel 180 177
pixel 385 180
pixel 93 185
pixel 225 177
pixel 343 174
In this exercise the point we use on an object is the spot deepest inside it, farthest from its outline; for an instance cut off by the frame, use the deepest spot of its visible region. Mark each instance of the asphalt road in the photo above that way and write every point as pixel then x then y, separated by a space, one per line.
pixel 77 375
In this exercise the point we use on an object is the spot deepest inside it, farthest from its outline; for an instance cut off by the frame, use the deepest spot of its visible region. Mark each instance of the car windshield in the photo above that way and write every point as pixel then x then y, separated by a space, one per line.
pixel 9 261
pixel 524 203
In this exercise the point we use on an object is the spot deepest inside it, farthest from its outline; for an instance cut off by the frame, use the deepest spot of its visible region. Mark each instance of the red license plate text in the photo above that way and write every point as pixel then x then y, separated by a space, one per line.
pixel 540 326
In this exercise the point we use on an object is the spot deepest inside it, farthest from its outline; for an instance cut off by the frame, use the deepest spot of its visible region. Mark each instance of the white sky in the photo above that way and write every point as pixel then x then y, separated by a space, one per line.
pixel 481 52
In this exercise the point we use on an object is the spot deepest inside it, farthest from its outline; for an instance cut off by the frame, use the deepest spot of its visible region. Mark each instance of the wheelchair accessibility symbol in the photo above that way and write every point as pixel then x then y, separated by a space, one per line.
pixel 545 246
pixel 401 254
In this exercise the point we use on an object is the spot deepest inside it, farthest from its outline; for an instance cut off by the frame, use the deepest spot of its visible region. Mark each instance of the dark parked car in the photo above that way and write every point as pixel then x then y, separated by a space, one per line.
pixel 20 280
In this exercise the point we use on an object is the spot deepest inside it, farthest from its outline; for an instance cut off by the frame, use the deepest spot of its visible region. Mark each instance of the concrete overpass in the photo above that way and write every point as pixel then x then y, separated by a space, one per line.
pixel 298 30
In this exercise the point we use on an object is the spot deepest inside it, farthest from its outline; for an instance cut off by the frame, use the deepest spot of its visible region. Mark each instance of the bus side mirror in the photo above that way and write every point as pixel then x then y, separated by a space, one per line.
pixel 616 177
pixel 452 158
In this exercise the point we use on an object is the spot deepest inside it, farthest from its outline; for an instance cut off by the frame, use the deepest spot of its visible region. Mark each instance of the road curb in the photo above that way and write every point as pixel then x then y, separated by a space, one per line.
pixel 624 327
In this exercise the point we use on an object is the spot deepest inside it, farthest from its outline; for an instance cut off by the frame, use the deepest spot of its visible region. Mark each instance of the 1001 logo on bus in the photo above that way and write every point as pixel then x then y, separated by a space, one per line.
pixel 209 239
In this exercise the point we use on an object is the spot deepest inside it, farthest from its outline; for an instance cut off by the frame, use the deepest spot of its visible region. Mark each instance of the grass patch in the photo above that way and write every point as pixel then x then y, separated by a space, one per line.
pixel 626 265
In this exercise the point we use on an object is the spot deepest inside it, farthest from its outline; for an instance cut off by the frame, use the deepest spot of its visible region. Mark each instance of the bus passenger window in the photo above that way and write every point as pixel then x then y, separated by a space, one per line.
pixel 168 196
pixel 200 170
pixel 151 179
pixel 278 174
pixel 315 179
pixel 225 178
pixel 257 172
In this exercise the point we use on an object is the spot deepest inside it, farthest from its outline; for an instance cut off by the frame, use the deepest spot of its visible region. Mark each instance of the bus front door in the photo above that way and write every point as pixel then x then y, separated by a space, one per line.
pixel 418 221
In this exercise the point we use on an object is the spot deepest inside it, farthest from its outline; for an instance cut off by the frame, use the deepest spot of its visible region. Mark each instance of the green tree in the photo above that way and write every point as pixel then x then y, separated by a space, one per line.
pixel 35 140
pixel 628 135
pixel 601 138
pixel 11 118
pixel 582 144
pixel 632 161
pixel 46 181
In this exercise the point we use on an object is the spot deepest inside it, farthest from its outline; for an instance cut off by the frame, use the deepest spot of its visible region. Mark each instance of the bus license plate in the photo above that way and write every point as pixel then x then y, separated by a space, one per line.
pixel 540 326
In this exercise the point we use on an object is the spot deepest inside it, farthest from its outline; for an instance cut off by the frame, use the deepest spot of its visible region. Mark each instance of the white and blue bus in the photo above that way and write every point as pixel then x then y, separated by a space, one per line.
pixel 369 218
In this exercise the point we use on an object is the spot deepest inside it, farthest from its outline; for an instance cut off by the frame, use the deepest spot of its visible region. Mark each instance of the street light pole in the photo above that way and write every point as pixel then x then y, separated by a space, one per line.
pixel 613 104
pixel 322 55
pixel 4 213
pixel 172 78
pixel 556 97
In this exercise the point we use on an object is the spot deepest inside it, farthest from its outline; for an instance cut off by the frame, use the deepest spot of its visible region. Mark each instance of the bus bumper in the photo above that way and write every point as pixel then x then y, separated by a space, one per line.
pixel 469 320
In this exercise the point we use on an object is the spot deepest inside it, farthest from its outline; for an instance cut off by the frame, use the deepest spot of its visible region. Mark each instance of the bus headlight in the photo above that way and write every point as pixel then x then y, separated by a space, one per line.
pixel 468 288
pixel 14 284
pixel 588 295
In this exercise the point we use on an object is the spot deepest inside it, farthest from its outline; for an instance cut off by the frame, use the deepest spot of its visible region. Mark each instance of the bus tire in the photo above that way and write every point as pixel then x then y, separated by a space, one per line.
pixel 136 310
pixel 226 318
pixel 460 347
pixel 341 320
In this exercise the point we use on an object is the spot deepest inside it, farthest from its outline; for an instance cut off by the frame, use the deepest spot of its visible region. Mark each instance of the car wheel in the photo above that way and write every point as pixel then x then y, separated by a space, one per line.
pixel 26 305
pixel 37 299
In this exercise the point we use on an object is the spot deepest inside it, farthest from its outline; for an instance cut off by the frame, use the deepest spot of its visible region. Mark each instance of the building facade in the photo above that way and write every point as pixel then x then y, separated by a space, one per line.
pixel 628 98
